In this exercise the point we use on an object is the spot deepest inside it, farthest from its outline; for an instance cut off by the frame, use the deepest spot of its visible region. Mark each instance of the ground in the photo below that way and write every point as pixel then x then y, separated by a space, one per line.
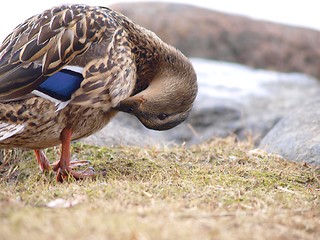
pixel 221 189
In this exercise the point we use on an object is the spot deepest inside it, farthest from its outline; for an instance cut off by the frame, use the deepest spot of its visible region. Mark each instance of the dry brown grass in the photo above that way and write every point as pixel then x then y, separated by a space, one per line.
pixel 217 190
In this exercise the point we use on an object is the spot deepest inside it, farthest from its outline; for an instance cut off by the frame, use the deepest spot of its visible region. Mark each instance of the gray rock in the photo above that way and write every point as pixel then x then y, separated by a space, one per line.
pixel 232 99
pixel 123 130
pixel 297 136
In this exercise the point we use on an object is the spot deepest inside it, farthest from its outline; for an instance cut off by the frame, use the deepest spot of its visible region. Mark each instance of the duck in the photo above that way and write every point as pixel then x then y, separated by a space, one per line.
pixel 66 72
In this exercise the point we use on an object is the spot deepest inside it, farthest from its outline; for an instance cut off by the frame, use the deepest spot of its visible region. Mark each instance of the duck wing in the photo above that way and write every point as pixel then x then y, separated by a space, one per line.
pixel 111 79
pixel 42 47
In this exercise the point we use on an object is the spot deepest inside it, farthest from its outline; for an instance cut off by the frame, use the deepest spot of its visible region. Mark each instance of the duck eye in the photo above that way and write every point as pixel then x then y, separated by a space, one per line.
pixel 129 110
pixel 162 116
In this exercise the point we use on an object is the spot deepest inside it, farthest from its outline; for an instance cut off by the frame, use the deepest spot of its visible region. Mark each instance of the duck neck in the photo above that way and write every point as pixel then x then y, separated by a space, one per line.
pixel 156 60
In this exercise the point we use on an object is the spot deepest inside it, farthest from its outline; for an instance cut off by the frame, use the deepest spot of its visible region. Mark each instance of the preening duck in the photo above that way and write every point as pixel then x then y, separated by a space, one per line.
pixel 66 72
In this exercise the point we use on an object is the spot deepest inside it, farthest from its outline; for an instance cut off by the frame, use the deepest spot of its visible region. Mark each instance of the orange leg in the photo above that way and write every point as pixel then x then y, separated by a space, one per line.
pixel 45 165
pixel 63 167
pixel 42 160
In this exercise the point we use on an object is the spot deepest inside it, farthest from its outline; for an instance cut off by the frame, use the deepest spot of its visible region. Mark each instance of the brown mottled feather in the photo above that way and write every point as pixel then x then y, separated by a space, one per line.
pixel 124 65
pixel 43 130
pixel 52 39
pixel 115 75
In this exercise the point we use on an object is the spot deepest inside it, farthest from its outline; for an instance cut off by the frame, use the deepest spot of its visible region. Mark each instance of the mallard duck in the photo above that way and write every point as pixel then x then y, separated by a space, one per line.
pixel 66 72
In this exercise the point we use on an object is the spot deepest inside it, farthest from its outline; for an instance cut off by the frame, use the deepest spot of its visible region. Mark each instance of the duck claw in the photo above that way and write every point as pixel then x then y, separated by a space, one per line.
pixel 73 164
pixel 77 175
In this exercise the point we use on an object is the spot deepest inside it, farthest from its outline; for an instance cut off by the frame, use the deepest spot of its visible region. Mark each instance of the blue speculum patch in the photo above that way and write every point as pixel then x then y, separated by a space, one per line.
pixel 61 85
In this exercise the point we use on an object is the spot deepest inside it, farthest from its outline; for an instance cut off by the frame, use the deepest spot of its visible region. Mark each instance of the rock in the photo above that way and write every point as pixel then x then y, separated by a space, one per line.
pixel 297 136
pixel 205 33
pixel 232 99
pixel 122 131
pixel 239 100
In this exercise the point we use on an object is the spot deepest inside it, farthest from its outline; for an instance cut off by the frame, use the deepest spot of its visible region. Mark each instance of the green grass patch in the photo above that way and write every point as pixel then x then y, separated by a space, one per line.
pixel 220 189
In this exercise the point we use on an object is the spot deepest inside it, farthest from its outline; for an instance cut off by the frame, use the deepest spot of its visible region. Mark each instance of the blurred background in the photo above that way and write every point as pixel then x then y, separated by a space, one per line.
pixel 298 12
pixel 256 61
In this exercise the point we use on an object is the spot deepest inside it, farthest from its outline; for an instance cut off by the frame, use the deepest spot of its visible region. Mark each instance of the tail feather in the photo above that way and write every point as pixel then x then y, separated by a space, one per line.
pixel 8 130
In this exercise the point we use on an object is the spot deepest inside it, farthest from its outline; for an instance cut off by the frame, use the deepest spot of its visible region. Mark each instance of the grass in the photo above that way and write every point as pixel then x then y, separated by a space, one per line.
pixel 220 189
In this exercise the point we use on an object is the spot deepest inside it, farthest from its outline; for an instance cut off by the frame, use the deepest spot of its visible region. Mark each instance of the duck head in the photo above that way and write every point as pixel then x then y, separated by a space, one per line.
pixel 167 101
